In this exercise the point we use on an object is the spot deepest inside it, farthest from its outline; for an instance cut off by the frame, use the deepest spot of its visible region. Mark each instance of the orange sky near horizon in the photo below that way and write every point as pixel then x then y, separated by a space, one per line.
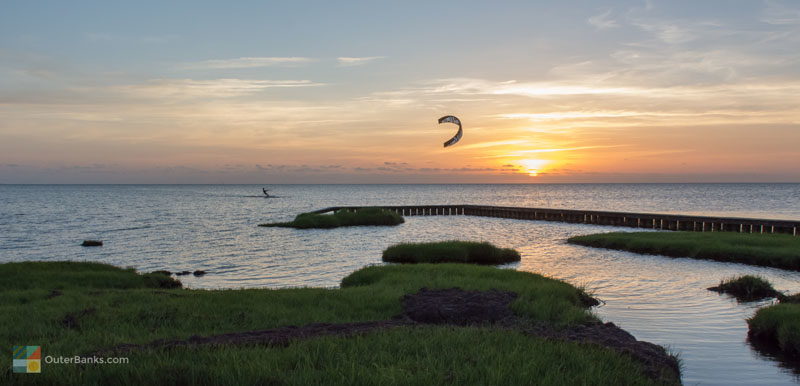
pixel 504 140
pixel 635 92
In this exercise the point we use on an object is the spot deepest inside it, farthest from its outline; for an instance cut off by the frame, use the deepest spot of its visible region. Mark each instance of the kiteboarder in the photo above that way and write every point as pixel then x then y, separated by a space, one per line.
pixel 265 191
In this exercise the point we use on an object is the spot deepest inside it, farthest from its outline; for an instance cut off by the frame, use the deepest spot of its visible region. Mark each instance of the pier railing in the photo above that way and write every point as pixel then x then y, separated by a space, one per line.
pixel 621 219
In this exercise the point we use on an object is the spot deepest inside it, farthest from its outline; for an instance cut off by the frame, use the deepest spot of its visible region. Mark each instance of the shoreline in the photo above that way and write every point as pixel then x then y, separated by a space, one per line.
pixel 764 250
pixel 546 310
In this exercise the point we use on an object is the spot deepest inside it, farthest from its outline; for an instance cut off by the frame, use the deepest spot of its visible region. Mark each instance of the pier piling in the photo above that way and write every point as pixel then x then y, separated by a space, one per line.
pixel 673 222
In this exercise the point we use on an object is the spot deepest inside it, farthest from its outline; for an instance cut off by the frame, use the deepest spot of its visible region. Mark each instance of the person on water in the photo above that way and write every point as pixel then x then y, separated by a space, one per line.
pixel 265 191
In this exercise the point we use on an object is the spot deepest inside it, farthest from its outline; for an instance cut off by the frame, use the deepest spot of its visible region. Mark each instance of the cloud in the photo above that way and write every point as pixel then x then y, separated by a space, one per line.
pixel 778 13
pixel 188 88
pixel 562 115
pixel 468 86
pixel 351 61
pixel 426 170
pixel 606 114
pixel 667 32
pixel 523 153
pixel 304 168
pixel 246 62
pixel 603 21
pixel 389 167
pixel 482 145
pixel 617 87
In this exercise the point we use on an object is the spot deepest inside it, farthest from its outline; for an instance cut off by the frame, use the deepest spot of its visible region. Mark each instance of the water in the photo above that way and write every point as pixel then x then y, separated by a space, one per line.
pixel 212 227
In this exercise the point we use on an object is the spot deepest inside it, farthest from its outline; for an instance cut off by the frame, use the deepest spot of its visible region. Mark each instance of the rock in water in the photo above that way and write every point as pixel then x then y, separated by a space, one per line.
pixel 199 273
pixel 92 243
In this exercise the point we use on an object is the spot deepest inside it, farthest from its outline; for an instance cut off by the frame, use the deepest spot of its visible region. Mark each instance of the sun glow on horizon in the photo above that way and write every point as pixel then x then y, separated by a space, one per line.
pixel 533 166
pixel 630 94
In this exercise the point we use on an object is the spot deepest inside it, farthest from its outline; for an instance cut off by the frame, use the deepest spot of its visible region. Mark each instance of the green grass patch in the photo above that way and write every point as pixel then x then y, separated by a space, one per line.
pixel 450 252
pixel 69 275
pixel 92 312
pixel 779 324
pixel 746 288
pixel 406 356
pixel 540 298
pixel 139 314
pixel 769 250
pixel 342 218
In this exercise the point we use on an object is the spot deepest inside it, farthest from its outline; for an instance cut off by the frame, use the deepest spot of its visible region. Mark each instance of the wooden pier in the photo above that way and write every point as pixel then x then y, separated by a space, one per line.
pixel 671 222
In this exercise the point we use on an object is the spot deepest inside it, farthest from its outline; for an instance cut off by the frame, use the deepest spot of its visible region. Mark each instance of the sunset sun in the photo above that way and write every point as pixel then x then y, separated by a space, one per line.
pixel 533 166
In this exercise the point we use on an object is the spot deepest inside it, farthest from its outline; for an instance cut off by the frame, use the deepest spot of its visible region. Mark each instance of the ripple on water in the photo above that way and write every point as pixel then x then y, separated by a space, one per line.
pixel 658 299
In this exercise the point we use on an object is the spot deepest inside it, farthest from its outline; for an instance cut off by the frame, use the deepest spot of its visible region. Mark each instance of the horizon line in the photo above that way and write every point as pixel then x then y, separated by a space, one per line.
pixel 424 183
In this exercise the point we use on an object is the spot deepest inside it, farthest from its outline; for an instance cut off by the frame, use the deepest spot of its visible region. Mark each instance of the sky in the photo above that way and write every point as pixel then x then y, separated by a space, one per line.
pixel 350 92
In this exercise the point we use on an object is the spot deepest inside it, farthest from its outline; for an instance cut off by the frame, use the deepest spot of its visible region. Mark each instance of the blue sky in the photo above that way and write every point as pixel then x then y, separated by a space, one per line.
pixel 577 91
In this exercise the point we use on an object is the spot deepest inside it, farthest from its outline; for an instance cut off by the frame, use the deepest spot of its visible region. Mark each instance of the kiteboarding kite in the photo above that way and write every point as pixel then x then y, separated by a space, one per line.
pixel 457 137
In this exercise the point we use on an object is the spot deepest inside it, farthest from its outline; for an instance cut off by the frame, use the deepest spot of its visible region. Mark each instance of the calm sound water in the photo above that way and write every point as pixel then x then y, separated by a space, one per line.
pixel 213 228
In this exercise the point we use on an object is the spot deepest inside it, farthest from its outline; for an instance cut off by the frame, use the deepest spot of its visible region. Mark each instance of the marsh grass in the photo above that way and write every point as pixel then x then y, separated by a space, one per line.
pixel 770 250
pixel 405 356
pixel 453 251
pixel 342 218
pixel 746 288
pixel 69 275
pixel 139 314
pixel 780 325
pixel 108 306
pixel 540 298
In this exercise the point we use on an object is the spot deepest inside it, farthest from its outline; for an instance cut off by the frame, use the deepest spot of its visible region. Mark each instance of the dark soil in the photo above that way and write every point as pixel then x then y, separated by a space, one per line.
pixel 452 306
pixel 457 306
pixel 659 365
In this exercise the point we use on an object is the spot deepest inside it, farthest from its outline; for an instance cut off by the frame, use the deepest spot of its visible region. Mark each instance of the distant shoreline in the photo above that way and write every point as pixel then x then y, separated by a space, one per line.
pixel 397 183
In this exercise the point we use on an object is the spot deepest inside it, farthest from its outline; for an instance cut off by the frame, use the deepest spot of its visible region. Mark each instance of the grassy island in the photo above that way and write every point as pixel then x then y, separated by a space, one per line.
pixel 789 298
pixel 342 218
pixel 769 250
pixel 450 252
pixel 503 327
pixel 778 325
pixel 746 288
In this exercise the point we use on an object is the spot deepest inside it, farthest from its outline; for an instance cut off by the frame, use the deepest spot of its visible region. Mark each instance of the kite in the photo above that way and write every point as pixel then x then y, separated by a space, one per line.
pixel 457 137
